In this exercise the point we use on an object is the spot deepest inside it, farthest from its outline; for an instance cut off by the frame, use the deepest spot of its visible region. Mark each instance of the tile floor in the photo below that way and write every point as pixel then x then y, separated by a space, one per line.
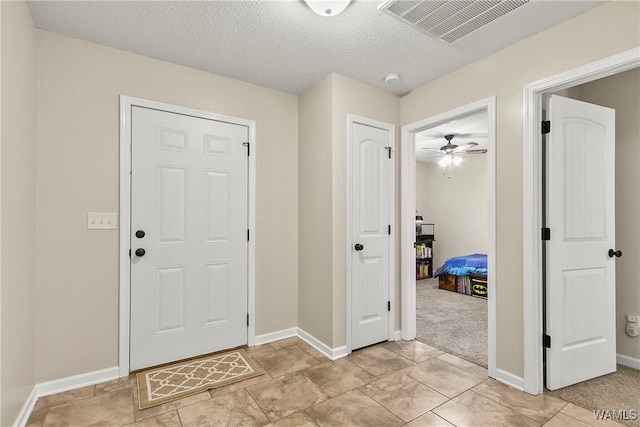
pixel 389 384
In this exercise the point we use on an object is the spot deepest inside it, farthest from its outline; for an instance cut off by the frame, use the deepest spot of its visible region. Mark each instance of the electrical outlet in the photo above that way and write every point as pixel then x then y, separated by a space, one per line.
pixel 633 319
pixel 101 221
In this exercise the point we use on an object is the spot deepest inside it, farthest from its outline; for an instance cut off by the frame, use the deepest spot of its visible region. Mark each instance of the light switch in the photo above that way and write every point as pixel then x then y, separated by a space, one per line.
pixel 101 221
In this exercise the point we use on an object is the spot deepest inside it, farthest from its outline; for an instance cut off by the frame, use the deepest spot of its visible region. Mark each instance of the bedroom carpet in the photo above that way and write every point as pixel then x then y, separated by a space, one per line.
pixel 617 391
pixel 452 322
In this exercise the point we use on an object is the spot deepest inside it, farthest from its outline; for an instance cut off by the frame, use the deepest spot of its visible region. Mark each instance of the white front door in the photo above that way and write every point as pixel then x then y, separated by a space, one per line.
pixel 188 236
pixel 372 205
pixel 581 216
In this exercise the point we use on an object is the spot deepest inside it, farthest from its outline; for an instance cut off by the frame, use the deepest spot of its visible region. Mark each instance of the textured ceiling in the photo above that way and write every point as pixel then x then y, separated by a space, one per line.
pixel 470 128
pixel 283 44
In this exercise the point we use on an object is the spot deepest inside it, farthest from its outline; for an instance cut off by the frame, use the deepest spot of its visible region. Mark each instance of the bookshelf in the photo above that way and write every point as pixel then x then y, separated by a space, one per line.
pixel 424 251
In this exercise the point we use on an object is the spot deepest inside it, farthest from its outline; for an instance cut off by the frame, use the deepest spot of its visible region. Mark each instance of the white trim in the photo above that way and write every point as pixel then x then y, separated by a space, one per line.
pixel 315 343
pixel 340 352
pixel 331 353
pixel 509 379
pixel 397 335
pixel 77 381
pixel 126 102
pixel 63 384
pixel 351 119
pixel 27 408
pixel 532 195
pixel 275 336
pixel 407 214
pixel 631 362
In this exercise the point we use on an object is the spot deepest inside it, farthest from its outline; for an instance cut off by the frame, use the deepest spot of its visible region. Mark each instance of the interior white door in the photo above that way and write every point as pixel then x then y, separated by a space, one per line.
pixel 581 216
pixel 189 215
pixel 371 207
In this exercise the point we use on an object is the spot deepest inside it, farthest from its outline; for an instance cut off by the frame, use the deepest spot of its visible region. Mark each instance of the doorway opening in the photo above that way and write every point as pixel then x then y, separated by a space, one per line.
pixel 410 137
pixel 452 236
pixel 533 202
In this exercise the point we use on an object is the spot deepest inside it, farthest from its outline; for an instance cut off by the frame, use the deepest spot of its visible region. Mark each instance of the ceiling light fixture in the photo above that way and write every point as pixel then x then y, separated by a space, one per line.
pixel 445 161
pixel 327 8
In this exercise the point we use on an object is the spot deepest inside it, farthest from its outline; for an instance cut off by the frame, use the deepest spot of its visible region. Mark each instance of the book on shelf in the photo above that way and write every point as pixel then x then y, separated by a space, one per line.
pixel 423 251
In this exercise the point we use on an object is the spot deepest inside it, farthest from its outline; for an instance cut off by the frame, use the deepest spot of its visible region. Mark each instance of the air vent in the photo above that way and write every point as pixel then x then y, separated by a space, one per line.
pixel 449 20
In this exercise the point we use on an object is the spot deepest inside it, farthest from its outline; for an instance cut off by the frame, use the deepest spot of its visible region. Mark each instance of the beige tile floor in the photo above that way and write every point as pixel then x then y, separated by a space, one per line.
pixel 389 384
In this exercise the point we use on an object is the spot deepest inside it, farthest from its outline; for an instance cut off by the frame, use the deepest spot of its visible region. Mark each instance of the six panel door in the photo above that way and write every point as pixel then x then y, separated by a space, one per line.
pixel 189 198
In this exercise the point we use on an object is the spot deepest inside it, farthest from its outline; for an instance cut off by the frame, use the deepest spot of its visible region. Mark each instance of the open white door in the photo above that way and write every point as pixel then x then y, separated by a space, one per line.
pixel 581 216
pixel 189 236
pixel 372 207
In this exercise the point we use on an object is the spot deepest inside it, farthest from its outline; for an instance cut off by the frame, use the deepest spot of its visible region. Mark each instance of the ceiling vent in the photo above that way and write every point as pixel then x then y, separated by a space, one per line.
pixel 449 20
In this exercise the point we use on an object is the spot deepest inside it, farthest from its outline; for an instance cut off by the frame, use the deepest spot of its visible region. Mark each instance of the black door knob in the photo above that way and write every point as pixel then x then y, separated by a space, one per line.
pixel 358 247
pixel 140 252
pixel 613 253
pixel 140 234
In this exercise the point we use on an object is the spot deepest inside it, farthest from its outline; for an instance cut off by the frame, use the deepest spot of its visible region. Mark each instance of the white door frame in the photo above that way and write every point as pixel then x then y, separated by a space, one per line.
pixel 351 120
pixel 532 197
pixel 126 103
pixel 407 221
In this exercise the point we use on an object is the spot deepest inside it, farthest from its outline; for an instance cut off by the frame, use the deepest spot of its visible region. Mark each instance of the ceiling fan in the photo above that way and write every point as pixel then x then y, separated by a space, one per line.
pixel 450 151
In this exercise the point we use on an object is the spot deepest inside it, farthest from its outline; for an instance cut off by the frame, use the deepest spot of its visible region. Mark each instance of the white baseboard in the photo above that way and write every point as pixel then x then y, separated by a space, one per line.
pixel 25 412
pixel 64 384
pixel 631 362
pixel 77 381
pixel 397 336
pixel 340 352
pixel 331 353
pixel 315 343
pixel 275 336
pixel 509 379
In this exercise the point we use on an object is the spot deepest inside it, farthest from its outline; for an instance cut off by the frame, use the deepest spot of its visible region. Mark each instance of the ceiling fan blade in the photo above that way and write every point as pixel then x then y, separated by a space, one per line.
pixel 465 147
pixel 432 149
pixel 478 151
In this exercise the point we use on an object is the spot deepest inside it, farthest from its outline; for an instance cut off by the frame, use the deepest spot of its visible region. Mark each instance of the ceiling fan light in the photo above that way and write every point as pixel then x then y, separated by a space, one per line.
pixel 327 8
pixel 445 161
pixel 457 160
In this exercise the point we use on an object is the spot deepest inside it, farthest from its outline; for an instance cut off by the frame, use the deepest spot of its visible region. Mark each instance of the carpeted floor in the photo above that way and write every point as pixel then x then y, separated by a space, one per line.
pixel 617 391
pixel 452 322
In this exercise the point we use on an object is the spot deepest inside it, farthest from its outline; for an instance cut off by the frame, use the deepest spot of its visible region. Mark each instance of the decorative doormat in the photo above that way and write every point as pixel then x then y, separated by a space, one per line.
pixel 175 381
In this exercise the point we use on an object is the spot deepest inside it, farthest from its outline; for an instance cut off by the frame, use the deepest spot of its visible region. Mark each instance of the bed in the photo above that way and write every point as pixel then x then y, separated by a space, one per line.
pixel 465 274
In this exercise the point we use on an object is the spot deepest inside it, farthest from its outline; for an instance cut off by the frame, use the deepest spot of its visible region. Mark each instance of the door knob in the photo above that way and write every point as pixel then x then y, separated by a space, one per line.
pixel 358 247
pixel 140 234
pixel 613 253
pixel 140 252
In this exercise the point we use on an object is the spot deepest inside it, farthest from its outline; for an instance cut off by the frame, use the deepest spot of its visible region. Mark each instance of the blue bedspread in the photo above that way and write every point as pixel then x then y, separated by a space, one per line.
pixel 464 265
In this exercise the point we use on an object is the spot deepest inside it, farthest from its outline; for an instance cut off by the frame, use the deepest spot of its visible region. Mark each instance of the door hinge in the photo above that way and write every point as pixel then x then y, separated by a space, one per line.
pixel 129 253
pixel 247 319
pixel 388 150
pixel 247 234
pixel 246 144
pixel 388 305
pixel 546 341
pixel 389 229
pixel 546 233
pixel 546 127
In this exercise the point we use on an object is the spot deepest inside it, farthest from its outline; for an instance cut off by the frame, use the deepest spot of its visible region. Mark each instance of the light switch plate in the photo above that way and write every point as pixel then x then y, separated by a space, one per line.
pixel 101 221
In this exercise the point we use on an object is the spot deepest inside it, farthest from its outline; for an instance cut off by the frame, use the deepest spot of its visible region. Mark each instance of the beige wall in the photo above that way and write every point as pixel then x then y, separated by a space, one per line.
pixel 315 239
pixel 353 97
pixel 561 48
pixel 622 92
pixel 323 203
pixel 456 205
pixel 77 274
pixel 18 201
